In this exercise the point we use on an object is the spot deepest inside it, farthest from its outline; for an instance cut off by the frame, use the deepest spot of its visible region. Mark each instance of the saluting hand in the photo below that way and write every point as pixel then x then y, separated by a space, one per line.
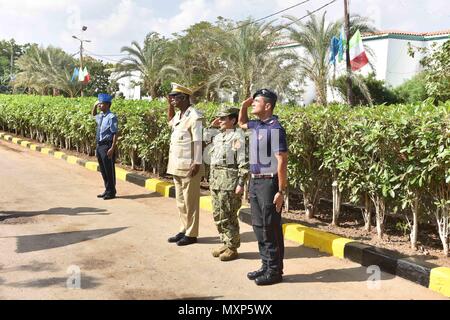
pixel 215 123
pixel 278 201
pixel 247 103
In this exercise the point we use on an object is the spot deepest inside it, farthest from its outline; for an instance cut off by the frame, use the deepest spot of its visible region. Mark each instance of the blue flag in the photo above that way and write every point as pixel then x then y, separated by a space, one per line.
pixel 334 49
pixel 75 74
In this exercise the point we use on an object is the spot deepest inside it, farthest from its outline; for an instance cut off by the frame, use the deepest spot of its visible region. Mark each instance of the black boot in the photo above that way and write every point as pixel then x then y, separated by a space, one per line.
pixel 186 240
pixel 177 237
pixel 255 274
pixel 268 278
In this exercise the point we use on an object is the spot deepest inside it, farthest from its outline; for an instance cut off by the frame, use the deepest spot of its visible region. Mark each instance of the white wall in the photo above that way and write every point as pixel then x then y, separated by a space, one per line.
pixel 391 60
pixel 126 86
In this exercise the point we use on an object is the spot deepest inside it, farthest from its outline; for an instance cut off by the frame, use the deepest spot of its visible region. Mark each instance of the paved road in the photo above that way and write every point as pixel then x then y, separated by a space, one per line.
pixel 51 223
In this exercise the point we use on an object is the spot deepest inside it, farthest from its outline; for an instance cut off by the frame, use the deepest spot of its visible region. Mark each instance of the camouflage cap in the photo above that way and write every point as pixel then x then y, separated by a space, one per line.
pixel 226 111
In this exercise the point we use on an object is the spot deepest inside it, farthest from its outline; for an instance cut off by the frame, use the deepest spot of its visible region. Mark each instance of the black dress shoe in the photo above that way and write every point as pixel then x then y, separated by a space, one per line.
pixel 186 240
pixel 177 237
pixel 255 274
pixel 268 278
pixel 108 197
pixel 101 195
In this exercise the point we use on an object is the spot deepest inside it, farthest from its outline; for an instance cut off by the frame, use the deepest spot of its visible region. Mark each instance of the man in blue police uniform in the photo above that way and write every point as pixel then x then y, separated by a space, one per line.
pixel 106 138
pixel 268 167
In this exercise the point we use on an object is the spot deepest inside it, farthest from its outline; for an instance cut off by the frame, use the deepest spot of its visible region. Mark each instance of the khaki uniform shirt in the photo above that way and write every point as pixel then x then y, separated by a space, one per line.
pixel 186 130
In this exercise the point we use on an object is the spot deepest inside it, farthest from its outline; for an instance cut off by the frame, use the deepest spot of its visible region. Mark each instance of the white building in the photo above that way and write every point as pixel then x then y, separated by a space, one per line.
pixel 390 59
pixel 129 86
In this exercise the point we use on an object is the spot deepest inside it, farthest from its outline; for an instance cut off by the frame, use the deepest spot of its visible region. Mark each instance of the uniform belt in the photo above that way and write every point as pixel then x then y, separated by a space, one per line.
pixel 104 142
pixel 230 166
pixel 263 175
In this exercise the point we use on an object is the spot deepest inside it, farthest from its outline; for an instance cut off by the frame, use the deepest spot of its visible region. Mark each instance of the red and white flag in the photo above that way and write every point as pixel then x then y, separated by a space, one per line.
pixel 358 57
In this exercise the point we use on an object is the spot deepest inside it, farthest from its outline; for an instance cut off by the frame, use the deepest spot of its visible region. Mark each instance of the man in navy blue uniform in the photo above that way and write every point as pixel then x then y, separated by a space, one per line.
pixel 268 167
pixel 106 138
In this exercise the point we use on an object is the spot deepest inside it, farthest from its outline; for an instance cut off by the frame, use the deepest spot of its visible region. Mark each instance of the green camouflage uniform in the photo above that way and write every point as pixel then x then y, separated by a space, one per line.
pixel 225 175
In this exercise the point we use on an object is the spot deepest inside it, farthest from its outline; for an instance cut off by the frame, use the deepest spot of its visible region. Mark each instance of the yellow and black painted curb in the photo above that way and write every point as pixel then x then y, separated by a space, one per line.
pixel 423 273
pixel 163 188
pixel 426 274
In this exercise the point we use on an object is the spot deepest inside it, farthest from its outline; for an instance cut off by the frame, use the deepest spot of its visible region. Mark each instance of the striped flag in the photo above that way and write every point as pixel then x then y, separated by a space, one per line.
pixel 358 57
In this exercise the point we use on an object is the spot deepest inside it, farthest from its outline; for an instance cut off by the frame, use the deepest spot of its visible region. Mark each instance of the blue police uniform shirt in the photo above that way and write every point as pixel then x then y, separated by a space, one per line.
pixel 266 139
pixel 107 126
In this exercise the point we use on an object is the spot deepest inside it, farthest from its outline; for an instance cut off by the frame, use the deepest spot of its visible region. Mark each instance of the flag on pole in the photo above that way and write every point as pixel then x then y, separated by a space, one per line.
pixel 87 76
pixel 358 57
pixel 75 74
pixel 334 48
pixel 81 75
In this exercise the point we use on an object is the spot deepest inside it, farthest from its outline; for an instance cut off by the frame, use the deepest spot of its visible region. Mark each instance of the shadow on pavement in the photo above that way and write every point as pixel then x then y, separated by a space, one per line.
pixel 87 282
pixel 54 240
pixel 140 196
pixel 245 237
pixel 34 266
pixel 336 275
pixel 86 211
pixel 289 253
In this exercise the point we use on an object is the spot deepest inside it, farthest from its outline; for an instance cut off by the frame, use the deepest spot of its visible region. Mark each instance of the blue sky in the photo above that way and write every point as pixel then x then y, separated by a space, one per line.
pixel 115 23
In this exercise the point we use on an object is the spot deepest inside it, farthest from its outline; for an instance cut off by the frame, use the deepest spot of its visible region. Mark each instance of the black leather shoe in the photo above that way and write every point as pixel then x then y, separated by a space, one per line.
pixel 108 197
pixel 268 278
pixel 255 274
pixel 186 240
pixel 101 195
pixel 177 237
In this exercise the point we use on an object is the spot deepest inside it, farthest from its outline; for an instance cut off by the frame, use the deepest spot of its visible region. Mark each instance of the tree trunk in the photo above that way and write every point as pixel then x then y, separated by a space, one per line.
pixel 380 211
pixel 336 203
pixel 246 187
pixel 309 206
pixel 367 213
pixel 132 158
pixel 415 226
pixel 286 200
pixel 443 221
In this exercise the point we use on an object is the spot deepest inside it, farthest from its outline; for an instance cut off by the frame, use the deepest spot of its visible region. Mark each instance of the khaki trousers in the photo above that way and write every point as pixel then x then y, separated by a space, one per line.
pixel 187 192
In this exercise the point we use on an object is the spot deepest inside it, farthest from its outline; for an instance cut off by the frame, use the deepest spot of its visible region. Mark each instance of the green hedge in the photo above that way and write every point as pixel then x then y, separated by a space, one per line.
pixel 398 156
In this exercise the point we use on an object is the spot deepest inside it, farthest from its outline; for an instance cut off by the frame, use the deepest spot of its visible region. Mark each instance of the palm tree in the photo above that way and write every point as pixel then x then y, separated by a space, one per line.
pixel 248 60
pixel 46 69
pixel 151 62
pixel 314 36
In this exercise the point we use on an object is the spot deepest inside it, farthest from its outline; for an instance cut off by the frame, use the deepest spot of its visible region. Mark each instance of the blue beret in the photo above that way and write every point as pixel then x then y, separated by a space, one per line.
pixel 104 97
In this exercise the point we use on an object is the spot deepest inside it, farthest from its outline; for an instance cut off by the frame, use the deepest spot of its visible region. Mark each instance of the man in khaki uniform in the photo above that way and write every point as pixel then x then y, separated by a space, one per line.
pixel 185 161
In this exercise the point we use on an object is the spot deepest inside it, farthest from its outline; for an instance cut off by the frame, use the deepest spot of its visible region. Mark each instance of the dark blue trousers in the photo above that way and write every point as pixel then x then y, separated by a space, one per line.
pixel 107 167
pixel 266 222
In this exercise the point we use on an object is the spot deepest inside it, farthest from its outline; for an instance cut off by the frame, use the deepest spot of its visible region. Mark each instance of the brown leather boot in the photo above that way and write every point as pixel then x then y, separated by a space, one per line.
pixel 228 255
pixel 217 251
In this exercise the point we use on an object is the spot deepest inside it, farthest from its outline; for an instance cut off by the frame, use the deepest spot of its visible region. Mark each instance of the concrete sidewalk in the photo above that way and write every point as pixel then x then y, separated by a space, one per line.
pixel 51 223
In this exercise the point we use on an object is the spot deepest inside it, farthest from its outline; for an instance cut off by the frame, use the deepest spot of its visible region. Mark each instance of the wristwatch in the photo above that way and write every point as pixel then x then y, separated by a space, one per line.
pixel 282 192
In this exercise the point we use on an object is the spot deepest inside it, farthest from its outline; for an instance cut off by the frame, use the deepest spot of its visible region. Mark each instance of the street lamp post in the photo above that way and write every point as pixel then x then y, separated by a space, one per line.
pixel 81 55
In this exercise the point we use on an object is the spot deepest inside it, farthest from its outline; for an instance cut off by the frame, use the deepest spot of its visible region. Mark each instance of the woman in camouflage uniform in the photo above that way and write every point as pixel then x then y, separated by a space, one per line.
pixel 229 170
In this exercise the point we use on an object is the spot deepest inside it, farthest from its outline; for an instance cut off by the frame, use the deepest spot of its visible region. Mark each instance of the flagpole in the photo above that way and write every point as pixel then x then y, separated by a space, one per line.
pixel 347 51
pixel 81 64
pixel 81 56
